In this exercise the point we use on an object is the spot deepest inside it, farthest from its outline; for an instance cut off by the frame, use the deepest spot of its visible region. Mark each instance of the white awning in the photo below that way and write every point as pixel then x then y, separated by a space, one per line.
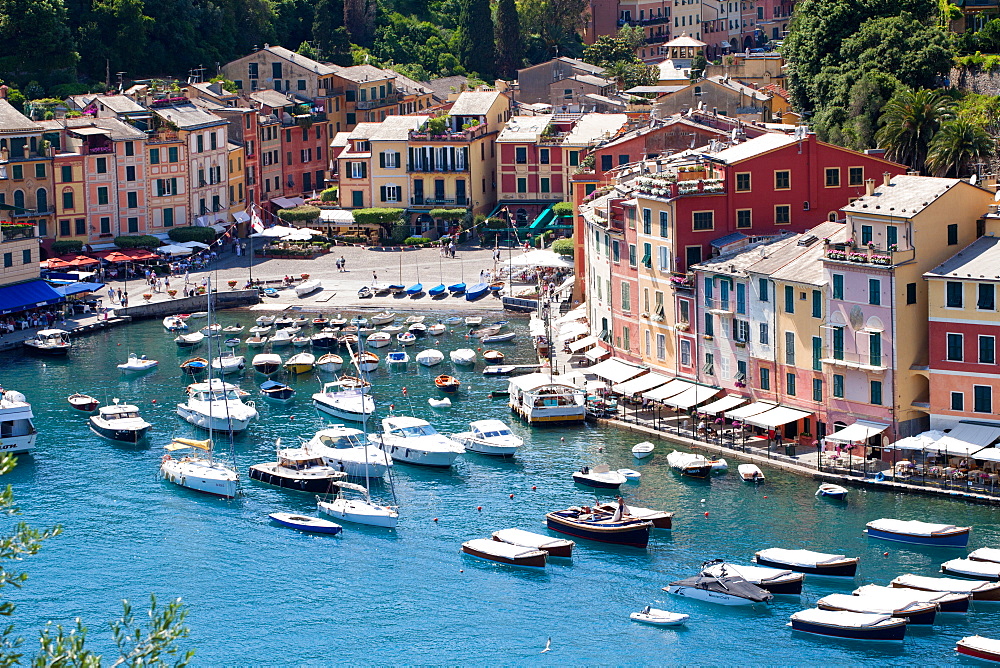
pixel 287 202
pixel 724 404
pixel 976 434
pixel 533 381
pixel 585 342
pixel 573 330
pixel 579 313
pixel 859 432
pixel 337 216
pixel 615 370
pixel 640 384
pixel 776 417
pixel 692 396
pixel 597 353
pixel 989 455
pixel 744 412
pixel 918 442
pixel 673 388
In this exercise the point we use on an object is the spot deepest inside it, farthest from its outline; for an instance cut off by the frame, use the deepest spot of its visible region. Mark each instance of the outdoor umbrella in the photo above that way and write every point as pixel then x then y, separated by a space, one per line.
pixel 194 244
pixel 540 258
pixel 175 250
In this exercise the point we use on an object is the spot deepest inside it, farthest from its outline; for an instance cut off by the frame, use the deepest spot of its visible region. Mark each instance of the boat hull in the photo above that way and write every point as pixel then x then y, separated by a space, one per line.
pixel 482 448
pixel 267 369
pixel 588 481
pixel 706 595
pixel 989 593
pixel 952 539
pixel 406 455
pixel 840 569
pixel 969 649
pixel 892 632
pixel 214 423
pixel 562 549
pixel 121 435
pixel 534 560
pixel 313 485
pixel 634 535
pixel 347 510
pixel 303 523
pixel 187 475
pixel 51 351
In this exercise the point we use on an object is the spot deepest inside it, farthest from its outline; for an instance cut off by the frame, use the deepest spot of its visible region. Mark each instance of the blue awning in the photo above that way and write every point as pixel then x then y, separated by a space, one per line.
pixel 30 294
pixel 77 288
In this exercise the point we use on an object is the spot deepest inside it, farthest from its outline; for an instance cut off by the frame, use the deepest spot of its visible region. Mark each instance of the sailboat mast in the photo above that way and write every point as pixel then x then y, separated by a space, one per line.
pixel 208 297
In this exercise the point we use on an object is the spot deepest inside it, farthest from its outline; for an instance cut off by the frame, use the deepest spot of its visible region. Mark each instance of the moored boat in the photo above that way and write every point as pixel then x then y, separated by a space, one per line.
pixel 281 337
pixel 499 338
pixel 914 612
pixel 49 342
pixel 119 422
pixel 306 523
pixel 366 361
pixel 353 503
pixel 916 532
pixel 447 383
pixel 556 547
pixel 979 590
pixel 473 320
pixel 807 561
pixel 325 339
pixel 300 363
pixel 599 477
pixel 463 356
pixel 379 340
pixel 979 647
pixel 256 341
pixel 383 318
pixel 406 338
pixel 724 590
pixel 505 553
pixel 583 523
pixel 194 365
pixel 173 323
pixel 976 570
pixel 945 601
pixel 266 363
pixel 657 617
pixel 489 437
pixel 774 580
pixel 750 473
pixel 297 470
pixel 344 402
pixel 853 625
pixel 415 441
pixel 690 464
pixel 277 392
pixel 831 491
pixel 349 450
pixel 437 329
pixel 228 363
pixel 642 450
pixel 199 472
pixel 189 340
pixel 985 554
pixel 443 402
pixel 429 357
pixel 216 406
pixel 83 402
pixel 544 398
pixel 494 356
pixel 329 363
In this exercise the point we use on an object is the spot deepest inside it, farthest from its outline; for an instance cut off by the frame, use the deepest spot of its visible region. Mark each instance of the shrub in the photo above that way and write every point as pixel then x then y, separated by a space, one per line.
pixel 448 214
pixel 328 195
pixel 563 247
pixel 203 235
pixel 383 217
pixel 146 241
pixel 563 209
pixel 64 246
pixel 416 241
pixel 437 125
pixel 299 214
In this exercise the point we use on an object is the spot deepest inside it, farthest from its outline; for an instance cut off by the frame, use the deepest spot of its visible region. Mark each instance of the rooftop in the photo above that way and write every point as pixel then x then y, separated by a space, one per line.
pixel 474 103
pixel 120 104
pixel 592 128
pixel 524 128
pixel 735 85
pixel 445 86
pixel 410 86
pixel 581 65
pixel 274 99
pixel 754 147
pixel 188 116
pixel 363 73
pixel 980 260
pixel 393 128
pixel 904 197
pixel 685 40
pixel 12 120
pixel 300 60
pixel 807 266
pixel 600 82
pixel 661 124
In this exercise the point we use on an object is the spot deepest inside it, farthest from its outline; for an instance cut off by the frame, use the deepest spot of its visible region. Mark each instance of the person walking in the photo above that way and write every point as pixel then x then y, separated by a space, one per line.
pixel 374 277
pixel 343 263
pixel 111 295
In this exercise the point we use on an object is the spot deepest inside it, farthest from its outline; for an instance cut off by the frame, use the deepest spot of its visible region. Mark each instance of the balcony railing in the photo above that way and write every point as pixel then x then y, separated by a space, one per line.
pixel 17 231
pixel 461 135
pixel 861 256
pixel 861 361
pixel 302 119
pixel 439 201
pixel 393 98
pixel 416 169
pixel 162 138
pixel 668 188
pixel 651 21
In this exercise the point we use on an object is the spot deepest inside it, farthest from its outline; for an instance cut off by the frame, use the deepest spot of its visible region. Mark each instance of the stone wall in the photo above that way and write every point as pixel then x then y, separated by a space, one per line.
pixel 161 309
pixel 975 81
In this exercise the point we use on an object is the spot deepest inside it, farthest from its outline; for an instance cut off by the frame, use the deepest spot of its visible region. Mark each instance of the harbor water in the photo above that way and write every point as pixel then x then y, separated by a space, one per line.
pixel 260 593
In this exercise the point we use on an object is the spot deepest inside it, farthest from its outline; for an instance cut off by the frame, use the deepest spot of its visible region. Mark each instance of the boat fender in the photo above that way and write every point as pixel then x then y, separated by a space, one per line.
pixel 512 496
pixel 706 513
pixel 765 496
pixel 533 487
pixel 435 519
pixel 479 508
pixel 885 554
pixel 879 477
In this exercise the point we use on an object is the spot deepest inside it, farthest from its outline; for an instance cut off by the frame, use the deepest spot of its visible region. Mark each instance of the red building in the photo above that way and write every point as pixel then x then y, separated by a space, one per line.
pixel 304 140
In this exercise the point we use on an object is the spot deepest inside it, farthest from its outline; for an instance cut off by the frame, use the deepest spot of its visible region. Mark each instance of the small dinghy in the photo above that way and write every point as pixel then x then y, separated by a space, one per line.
pixel 496 286
pixel 807 561
pixel 444 402
pixel 417 329
pixel 266 320
pixel 300 363
pixel 447 383
pixel 494 356
pixel 631 474
pixel 301 341
pixel 136 364
pixel 750 473
pixel 599 477
pixel 411 319
pixel 854 625
pixel 429 357
pixel 383 318
pixel 233 342
pixel 474 292
pixel 505 553
pixel 365 292
pixel 979 591
pixel 266 363
pixel 366 361
pixel 436 290
pixel 271 292
pixel 320 322
pixel 261 329
pixel 985 554
pixel 642 450
pixel 406 338
pixel 719 465
pixel 914 612
pixel 173 323
pixel 473 320
pixel 456 288
pixel 282 337
pixel 306 523
pixel 775 580
pixel 189 340
pixel 463 356
pixel 975 570
pixel 330 363
pixel 657 617
pixel 556 547
pixel 727 590
pixel 832 491
pixel 690 464
pixel 437 329
pixel 303 289
pixel 233 329
pixel 452 320
pixel 83 402
pixel 415 289
pixel 379 340
pixel 398 359
pixel 277 392
pixel 915 532
pixel 228 363
pixel 499 338
pixel 199 314
pixel 257 341
pixel 212 330
pixel 979 647
pixel 945 601
pixel 194 365
pixel 488 330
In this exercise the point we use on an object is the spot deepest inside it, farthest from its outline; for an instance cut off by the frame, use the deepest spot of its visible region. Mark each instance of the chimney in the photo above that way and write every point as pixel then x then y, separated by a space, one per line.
pixel 886 177
pixel 869 187
pixel 3 92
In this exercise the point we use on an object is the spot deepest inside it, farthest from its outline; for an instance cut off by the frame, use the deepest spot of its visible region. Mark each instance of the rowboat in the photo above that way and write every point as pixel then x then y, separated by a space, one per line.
pixel 976 570
pixel 277 392
pixel 499 338
pixel 457 288
pixel 832 491
pixel 496 286
pixel 979 647
pixel 493 356
pixel 914 612
pixel 437 329
pixel 383 318
pixel 641 450
pixel 194 365
pixel 915 532
pixel 661 519
pixel 657 617
pixel 306 523
pixel 397 358
pixel 505 553
pixel 300 363
pixel 985 554
pixel 945 601
pixel 583 523
pixel 329 363
pixel 979 590
pixel 415 289
pixel 436 290
pixel 750 473
pixel 429 357
pixel 854 625
pixel 365 292
pixel 474 292
pixel 447 383
pixel 556 547
pixel 266 363
pixel 473 320
pixel 807 561
pixel 83 402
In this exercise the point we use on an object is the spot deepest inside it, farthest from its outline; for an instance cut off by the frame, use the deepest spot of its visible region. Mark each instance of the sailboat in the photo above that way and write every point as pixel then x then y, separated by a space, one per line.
pixel 458 288
pixel 398 287
pixel 437 289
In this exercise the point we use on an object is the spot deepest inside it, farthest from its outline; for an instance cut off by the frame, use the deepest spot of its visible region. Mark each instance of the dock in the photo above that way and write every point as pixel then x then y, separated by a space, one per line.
pixel 510 369
pixel 76 326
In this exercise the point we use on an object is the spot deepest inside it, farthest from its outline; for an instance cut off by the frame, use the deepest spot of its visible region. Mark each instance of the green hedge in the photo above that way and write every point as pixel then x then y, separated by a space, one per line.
pixel 299 214
pixel 417 241
pixel 562 209
pixel 65 246
pixel 328 195
pixel 448 214
pixel 376 216
pixel 204 235
pixel 563 247
pixel 146 241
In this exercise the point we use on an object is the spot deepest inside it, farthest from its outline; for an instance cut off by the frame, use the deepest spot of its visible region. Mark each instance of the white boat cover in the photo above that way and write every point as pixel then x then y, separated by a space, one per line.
pixel 983 569
pixel 505 550
pixel 911 527
pixel 585 342
pixel 777 417
pixel 597 353
pixel 942 584
pixel 986 554
pixel 871 604
pixel 533 381
pixel 859 432
pixel 987 645
pixel 903 594
pixel 671 389
pixel 840 618
pixel 744 412
pixel 528 539
pixel 616 371
pixel 724 404
pixel 799 557
pixel 692 396
pixel 752 574
pixel 640 384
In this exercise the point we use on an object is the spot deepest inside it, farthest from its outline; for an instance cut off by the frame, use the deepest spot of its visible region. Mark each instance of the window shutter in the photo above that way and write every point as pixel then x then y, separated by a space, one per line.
pixel 398 161
pixel 383 193
pixel 364 170
pixel 381 160
pixel 173 186
pixel 409 155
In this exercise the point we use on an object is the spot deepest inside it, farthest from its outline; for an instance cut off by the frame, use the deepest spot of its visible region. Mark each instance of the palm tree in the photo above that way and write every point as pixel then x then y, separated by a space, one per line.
pixel 956 147
pixel 909 122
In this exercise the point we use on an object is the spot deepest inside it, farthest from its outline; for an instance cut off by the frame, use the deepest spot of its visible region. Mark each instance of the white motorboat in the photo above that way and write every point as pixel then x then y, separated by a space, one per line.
pixel 406 338
pixel 397 359
pixel 631 474
pixel 383 318
pixel 379 340
pixel 349 450
pixel 853 625
pixel 189 340
pixel 257 341
pixel 296 469
pixel 599 477
pixel 463 356
pixel 217 406
pixel 330 363
pixel 365 361
pixel 266 320
pixel 199 472
pixel 300 363
pixel 49 342
pixel 443 402
pixel 261 329
pixel 214 329
pixel 690 464
pixel 16 420
pixel 641 450
pixel 233 329
pixel 437 330
pixel 353 503
pixel 266 363
pixel 393 329
pixel 414 319
pixel 727 590
pixel 415 441
pixel 137 364
pixel 300 341
pixel 284 322
pixel 227 363
pixel 750 473
pixel 306 287
pixel 281 337
pixel 473 320
pixel 774 580
pixel 417 329
pixel 489 437
pixel 346 403
pixel 119 422
pixel 429 357
pixel 173 323
pixel 657 617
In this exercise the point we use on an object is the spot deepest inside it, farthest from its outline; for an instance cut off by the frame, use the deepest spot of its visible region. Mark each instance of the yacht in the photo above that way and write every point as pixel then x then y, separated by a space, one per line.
pixel 349 450
pixel 199 472
pixel 358 507
pixel 50 342
pixel 489 437
pixel 119 422
pixel 415 441
pixel 344 402
pixel 217 406
pixel 17 431
pixel 297 469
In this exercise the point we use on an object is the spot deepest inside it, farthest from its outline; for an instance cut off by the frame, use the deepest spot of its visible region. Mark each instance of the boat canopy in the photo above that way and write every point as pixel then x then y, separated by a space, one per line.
pixel 673 388
pixel 533 381
pixel 640 384
pixel 724 404
pixel 585 342
pixel 743 412
pixel 616 371
pixel 777 417
pixel 692 396
pixel 859 432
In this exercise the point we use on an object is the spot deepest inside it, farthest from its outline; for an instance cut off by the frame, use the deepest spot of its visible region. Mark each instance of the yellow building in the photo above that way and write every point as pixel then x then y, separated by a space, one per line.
pixel 237 180
pixel 25 171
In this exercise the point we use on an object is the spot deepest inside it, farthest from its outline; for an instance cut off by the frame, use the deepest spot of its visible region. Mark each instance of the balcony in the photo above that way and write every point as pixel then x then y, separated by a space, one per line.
pixel 301 120
pixel 461 135
pixel 719 307
pixel 664 187
pixel 651 21
pixel 862 256
pixel 420 169
pixel 388 100
pixel 439 201
pixel 861 362
pixel 163 138
pixel 682 282
pixel 15 231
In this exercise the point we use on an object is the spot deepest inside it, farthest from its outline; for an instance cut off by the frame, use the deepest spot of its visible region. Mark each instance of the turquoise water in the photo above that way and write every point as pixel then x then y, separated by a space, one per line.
pixel 260 593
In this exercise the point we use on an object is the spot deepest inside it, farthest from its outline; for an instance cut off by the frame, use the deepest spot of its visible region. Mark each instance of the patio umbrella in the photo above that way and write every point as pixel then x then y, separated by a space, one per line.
pixel 194 244
pixel 176 250
pixel 82 261
pixel 276 232
pixel 55 263
pixel 117 256
pixel 540 258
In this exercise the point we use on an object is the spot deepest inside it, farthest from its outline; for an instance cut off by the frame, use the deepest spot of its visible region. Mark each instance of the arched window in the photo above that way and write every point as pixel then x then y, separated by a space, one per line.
pixel 19 200
pixel 41 200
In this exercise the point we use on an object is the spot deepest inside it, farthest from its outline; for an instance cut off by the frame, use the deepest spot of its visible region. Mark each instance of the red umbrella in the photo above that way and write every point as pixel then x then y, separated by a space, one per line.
pixel 55 263
pixel 117 256
pixel 79 260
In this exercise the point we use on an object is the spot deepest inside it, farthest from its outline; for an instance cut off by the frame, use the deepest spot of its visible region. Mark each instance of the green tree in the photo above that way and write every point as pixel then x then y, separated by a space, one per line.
pixel 115 35
pixel 330 34
pixel 633 73
pixel 293 21
pixel 36 39
pixel 956 148
pixel 909 123
pixel 306 49
pixel 476 50
pixel 360 17
pixel 508 39
pixel 552 27
pixel 608 50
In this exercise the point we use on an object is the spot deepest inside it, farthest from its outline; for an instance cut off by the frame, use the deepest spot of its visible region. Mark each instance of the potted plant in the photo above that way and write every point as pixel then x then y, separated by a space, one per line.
pixel 805 438
pixel 231 284
pixel 147 296
pixel 201 289
pixel 305 277
pixel 172 293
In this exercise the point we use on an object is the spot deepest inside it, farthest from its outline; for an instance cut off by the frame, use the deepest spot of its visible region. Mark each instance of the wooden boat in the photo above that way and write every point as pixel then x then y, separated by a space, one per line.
pixel 297 469
pixel 774 580
pixel 505 553
pixel 494 356
pixel 914 612
pixel 854 625
pixel 979 647
pixel 457 288
pixel 411 319
pixel 83 402
pixel 271 292
pixel 320 322
pixel 189 340
pixel 496 286
pixel 474 292
pixel 945 601
pixel 832 491
pixel 641 450
pixel 661 519
pixel 325 339
pixel 265 320
pixel 300 363
pixel 366 361
pixel 277 392
pixel 383 318
pixel 173 323
pixel 303 289
pixel 228 363
pixel 406 338
pixel 485 331
pixel 750 473
pixel 976 570
pixel 556 547
pixel 447 383
pixel 365 292
pixel 437 329
pixel 499 338
pixel 415 289
pixel 436 290
pixel 194 365
pixel 980 591
pixel 807 561
pixel 985 554
pixel 306 523
pixel 657 617
pixel 725 590
pixel 583 523
pixel 915 532
pixel 600 477
pixel 690 464
pixel 330 363
pixel 266 363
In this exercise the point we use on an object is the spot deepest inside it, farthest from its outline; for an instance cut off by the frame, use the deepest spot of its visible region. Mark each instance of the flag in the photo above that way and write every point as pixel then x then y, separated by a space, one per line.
pixel 256 224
